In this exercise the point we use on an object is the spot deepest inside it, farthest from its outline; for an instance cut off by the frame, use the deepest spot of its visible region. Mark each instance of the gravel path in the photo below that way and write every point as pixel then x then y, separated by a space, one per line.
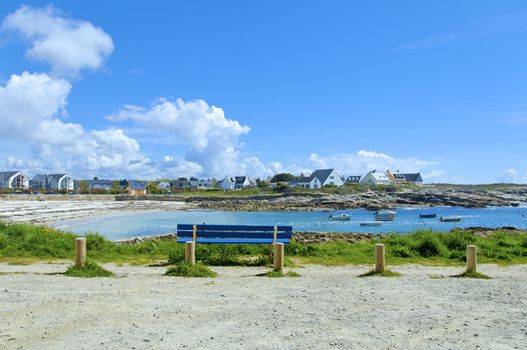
pixel 325 308
pixel 50 211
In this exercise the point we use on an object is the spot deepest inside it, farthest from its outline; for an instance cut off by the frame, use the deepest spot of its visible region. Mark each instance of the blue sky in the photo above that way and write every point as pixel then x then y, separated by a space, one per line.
pixel 214 88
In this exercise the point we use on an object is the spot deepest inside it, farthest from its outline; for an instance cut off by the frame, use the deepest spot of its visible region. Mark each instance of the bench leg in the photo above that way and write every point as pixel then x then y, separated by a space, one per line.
pixel 279 257
pixel 190 253
pixel 270 251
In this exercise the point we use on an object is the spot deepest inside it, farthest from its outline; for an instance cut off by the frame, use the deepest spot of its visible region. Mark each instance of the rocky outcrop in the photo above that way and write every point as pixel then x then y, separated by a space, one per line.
pixel 371 200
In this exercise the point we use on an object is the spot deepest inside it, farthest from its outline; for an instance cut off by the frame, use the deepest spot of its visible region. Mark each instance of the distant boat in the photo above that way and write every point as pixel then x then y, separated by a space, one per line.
pixel 370 223
pixel 340 217
pixel 450 218
pixel 385 215
pixel 427 216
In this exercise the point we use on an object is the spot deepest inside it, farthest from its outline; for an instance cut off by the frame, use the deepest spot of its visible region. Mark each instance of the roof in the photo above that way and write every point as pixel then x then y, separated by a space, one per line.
pixel 302 180
pixel 99 182
pixel 239 179
pixel 322 174
pixel 353 178
pixel 39 177
pixel 136 186
pixel 379 175
pixel 56 176
pixel 7 174
pixel 414 177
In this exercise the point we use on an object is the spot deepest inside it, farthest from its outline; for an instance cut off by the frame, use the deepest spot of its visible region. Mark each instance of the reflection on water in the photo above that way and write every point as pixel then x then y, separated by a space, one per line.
pixel 152 223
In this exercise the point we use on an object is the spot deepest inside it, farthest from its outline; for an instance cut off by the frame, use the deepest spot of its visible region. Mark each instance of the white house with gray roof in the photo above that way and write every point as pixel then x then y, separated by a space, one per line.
pixel 328 177
pixel 375 177
pixel 310 183
pixel 14 180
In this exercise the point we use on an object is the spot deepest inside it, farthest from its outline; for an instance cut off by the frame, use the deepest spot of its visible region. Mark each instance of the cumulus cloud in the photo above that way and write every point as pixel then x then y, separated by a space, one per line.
pixel 31 104
pixel 207 135
pixel 68 45
pixel 509 176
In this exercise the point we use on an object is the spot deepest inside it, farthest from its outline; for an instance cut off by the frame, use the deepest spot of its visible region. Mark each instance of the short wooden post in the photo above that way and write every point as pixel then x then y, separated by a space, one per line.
pixel 472 258
pixel 190 252
pixel 279 257
pixel 80 252
pixel 379 258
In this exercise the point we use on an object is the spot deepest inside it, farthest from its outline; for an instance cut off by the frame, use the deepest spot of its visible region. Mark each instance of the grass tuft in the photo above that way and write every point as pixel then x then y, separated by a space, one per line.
pixel 385 273
pixel 183 269
pixel 474 274
pixel 90 270
pixel 281 274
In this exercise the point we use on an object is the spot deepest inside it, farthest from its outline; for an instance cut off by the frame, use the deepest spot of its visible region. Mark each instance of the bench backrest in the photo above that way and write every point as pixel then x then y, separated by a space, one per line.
pixel 234 231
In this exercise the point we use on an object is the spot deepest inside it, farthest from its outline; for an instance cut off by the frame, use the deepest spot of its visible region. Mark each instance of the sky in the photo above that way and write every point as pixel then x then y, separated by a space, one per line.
pixel 205 88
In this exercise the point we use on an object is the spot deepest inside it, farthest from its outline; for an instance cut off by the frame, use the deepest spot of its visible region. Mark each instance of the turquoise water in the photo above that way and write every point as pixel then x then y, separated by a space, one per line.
pixel 152 223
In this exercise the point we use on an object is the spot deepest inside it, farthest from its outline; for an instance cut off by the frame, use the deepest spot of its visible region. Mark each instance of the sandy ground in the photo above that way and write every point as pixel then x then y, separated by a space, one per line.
pixel 325 308
pixel 51 211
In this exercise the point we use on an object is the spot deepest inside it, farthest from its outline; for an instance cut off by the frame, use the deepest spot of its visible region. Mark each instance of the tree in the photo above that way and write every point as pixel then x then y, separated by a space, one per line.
pixel 83 187
pixel 115 187
pixel 283 177
pixel 152 188
pixel 262 184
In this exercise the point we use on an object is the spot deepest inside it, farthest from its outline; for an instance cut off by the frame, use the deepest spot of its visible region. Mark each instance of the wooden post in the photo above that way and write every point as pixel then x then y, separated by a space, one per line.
pixel 190 252
pixel 472 259
pixel 379 258
pixel 80 252
pixel 279 257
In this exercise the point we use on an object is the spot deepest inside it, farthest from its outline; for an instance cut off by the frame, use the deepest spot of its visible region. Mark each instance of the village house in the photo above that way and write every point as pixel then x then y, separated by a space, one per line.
pixel 408 178
pixel 328 177
pixel 227 184
pixel 136 188
pixel 164 185
pixel 353 179
pixel 375 177
pixel 99 184
pixel 14 180
pixel 310 183
pixel 52 182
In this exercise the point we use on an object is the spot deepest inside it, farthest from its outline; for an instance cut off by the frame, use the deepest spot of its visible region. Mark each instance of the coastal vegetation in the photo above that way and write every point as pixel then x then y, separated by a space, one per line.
pixel 183 269
pixel 27 242
pixel 385 273
pixel 90 270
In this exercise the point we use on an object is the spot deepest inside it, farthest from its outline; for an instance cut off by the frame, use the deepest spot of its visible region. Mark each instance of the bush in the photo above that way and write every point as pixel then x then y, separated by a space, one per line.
pixel 90 270
pixel 183 269
pixel 402 252
pixel 430 245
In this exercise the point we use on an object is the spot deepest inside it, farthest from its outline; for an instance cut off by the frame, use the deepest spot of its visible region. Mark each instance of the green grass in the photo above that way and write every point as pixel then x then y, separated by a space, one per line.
pixel 385 273
pixel 183 269
pixel 90 270
pixel 26 243
pixel 282 274
pixel 473 274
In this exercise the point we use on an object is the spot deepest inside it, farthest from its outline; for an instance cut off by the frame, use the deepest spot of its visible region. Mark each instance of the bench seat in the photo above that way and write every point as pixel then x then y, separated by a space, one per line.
pixel 234 240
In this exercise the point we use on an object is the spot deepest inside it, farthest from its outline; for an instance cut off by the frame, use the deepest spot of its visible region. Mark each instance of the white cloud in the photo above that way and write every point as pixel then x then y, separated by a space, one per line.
pixel 68 45
pixel 509 176
pixel 208 137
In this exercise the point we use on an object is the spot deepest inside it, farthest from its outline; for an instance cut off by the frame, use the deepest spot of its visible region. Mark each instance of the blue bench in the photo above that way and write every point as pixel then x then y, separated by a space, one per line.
pixel 234 234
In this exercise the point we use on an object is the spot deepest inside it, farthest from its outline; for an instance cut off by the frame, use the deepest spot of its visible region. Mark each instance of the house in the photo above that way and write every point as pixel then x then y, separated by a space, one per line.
pixel 375 177
pixel 328 177
pixel 410 178
pixel 243 182
pixel 414 179
pixel 310 183
pixel 200 184
pixel 164 185
pixel 228 183
pixel 353 178
pixel 52 182
pixel 14 180
pixel 99 184
pixel 136 188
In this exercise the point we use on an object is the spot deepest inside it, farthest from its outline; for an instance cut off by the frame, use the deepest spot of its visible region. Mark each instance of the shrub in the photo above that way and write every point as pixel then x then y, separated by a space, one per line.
pixel 385 273
pixel 183 269
pixel 89 270
pixel 401 252
pixel 281 274
pixel 430 245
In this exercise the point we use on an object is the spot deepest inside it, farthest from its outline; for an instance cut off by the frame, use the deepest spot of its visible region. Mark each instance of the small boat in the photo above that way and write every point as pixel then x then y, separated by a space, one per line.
pixel 427 216
pixel 340 217
pixel 370 223
pixel 450 218
pixel 385 215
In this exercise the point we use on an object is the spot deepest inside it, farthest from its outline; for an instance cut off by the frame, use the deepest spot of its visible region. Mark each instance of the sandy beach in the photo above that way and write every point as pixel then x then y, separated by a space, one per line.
pixel 56 210
pixel 325 308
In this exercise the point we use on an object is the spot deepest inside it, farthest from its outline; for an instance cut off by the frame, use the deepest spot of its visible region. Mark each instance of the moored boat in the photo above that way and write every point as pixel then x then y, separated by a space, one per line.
pixel 340 217
pixel 385 215
pixel 450 218
pixel 370 223
pixel 427 216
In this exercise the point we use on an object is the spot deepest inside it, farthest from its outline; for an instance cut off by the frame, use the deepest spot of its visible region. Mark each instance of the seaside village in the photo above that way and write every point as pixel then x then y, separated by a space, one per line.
pixel 17 182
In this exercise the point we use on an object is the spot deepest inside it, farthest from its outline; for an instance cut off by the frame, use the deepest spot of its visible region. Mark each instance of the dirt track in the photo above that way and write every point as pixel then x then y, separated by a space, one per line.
pixel 328 307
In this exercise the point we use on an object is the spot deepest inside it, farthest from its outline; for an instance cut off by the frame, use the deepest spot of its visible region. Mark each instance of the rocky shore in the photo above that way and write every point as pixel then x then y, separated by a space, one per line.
pixel 426 197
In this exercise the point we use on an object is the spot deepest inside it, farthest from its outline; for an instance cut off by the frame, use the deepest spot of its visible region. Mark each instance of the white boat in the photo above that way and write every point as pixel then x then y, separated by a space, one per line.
pixel 450 218
pixel 370 223
pixel 340 217
pixel 385 215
